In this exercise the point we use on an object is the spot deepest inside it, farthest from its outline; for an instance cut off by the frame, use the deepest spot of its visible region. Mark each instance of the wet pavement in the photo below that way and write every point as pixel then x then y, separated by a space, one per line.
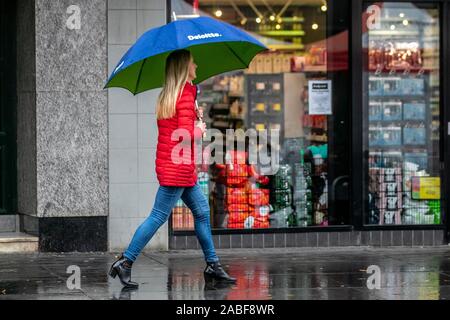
pixel 282 274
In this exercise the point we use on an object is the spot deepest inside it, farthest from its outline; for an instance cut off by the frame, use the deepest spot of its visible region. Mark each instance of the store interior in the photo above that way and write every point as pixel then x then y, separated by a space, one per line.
pixel 402 105
pixel 272 94
pixel 401 115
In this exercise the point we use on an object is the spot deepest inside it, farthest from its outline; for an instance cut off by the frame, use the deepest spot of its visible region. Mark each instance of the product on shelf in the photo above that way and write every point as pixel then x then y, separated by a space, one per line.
pixel 265 63
pixel 385 136
pixel 414 134
pixel 246 203
pixel 414 111
pixel 303 198
pixel 396 86
pixel 280 192
pixel 392 110
pixel 385 186
pixel 258 197
pixel 265 100
pixel 279 218
pixel 401 55
pixel 182 217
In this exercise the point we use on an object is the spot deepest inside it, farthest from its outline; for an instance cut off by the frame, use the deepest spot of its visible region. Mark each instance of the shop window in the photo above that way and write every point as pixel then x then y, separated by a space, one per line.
pixel 401 113
pixel 298 90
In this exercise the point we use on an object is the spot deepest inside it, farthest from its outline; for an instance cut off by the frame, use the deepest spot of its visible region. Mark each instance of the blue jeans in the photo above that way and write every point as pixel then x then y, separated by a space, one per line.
pixel 166 198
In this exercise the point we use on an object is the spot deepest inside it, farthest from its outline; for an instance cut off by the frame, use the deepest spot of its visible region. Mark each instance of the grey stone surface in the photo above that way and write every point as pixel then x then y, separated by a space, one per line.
pixel 375 238
pixel 258 241
pixel 26 108
pixel 225 241
pixel 121 4
pixel 151 4
pixel 312 239
pixel 323 239
pixel 280 240
pixel 386 238
pixel 71 59
pixel 8 223
pixel 181 242
pixel 71 110
pixel 345 239
pixel 236 241
pixel 407 238
pixel 247 241
pixel 29 224
pixel 192 243
pixel 122 27
pixel 26 153
pixel 269 240
pixel 418 236
pixel 301 240
pixel 62 110
pixel 72 156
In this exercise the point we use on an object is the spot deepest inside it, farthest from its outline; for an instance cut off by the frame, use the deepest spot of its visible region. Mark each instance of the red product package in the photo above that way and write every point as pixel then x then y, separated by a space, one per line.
pixel 237 196
pixel 237 207
pixel 237 217
pixel 236 175
pixel 261 213
pixel 259 197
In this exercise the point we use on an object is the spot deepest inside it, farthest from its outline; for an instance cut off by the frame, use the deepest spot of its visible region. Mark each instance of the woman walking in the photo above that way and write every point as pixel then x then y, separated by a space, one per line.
pixel 176 174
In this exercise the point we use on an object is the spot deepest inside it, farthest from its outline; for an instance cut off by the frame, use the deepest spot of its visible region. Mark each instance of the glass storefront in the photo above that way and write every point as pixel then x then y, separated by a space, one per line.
pixel 401 113
pixel 299 91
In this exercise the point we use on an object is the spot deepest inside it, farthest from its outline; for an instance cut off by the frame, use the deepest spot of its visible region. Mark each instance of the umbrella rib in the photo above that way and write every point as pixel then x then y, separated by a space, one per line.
pixel 234 53
pixel 139 76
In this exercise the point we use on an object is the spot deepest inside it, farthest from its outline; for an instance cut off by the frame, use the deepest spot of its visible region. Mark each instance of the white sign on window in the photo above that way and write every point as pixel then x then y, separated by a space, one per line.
pixel 320 97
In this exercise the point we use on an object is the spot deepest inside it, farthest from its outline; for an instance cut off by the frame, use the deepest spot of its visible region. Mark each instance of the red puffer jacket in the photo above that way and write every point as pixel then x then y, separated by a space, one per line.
pixel 180 170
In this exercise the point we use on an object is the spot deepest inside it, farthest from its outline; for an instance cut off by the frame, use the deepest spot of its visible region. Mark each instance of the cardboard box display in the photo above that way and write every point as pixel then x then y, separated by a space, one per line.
pixel 268 63
pixel 259 64
pixel 286 63
pixel 277 63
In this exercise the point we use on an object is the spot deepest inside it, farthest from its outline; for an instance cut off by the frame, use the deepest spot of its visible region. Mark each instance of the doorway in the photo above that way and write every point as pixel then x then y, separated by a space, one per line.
pixel 7 108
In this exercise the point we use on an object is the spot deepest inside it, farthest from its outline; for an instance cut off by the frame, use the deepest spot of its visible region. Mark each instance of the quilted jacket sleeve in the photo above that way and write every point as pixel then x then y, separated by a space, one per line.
pixel 185 111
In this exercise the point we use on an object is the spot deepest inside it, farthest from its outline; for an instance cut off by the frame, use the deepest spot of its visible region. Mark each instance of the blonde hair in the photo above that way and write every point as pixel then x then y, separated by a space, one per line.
pixel 177 73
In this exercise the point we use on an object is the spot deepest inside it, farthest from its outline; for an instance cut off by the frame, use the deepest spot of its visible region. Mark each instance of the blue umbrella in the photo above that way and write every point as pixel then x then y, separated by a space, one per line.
pixel 217 47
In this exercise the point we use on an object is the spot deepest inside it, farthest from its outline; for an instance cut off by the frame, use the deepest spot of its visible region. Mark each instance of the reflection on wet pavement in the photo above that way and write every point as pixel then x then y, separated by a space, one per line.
pixel 282 274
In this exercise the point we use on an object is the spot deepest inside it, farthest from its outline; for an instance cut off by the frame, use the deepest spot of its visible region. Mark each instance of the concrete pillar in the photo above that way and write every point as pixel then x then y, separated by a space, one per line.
pixel 63 123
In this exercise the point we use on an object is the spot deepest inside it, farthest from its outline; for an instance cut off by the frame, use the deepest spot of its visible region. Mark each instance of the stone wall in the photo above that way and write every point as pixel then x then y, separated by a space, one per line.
pixel 63 124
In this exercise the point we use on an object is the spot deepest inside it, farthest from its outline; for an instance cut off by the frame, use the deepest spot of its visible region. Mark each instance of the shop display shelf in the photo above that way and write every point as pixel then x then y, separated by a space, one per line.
pixel 282 33
pixel 398 97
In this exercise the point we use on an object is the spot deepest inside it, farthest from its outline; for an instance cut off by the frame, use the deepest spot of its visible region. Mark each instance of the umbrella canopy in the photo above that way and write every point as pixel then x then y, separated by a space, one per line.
pixel 217 47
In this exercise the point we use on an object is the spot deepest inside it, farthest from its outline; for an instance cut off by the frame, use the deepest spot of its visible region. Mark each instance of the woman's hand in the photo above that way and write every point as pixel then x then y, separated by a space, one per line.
pixel 200 112
pixel 202 126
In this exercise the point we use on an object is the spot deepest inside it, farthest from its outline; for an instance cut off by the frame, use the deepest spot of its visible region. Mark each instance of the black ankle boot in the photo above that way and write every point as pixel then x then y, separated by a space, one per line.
pixel 215 271
pixel 122 268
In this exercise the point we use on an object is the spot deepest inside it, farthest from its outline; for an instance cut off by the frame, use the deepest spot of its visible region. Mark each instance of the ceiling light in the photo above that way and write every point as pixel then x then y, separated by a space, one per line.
pixel 324 8
pixel 243 21
pixel 392 27
pixel 278 27
pixel 401 15
pixel 218 13
pixel 315 26
pixel 272 18
pixel 258 20
pixel 405 22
